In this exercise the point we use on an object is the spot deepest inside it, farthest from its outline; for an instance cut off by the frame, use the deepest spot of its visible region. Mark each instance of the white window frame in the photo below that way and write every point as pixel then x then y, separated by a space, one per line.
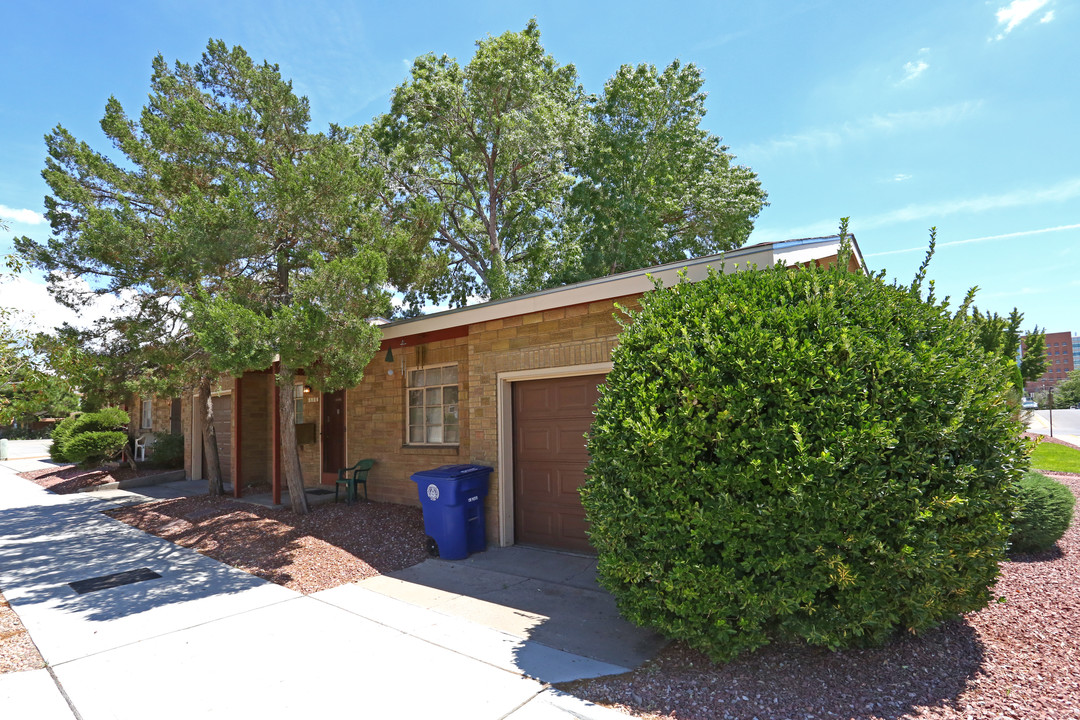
pixel 417 416
pixel 146 414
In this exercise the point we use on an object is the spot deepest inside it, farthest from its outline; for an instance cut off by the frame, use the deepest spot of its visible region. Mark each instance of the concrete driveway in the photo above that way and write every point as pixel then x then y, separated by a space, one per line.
pixel 191 637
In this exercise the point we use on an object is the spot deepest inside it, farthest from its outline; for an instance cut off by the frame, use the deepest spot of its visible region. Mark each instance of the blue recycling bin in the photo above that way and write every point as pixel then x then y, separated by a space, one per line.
pixel 452 497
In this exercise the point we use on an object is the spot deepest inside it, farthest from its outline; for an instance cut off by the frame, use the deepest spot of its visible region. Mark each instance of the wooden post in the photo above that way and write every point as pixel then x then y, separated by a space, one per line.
pixel 237 420
pixel 276 480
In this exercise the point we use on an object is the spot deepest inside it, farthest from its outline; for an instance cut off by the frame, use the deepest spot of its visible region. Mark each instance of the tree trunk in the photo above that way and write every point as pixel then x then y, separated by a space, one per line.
pixel 290 453
pixel 209 440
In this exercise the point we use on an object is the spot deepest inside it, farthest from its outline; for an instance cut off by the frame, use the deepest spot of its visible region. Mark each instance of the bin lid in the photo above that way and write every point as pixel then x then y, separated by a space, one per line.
pixel 453 471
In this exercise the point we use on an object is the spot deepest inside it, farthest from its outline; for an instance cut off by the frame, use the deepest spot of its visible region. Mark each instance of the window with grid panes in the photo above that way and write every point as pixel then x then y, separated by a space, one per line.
pixel 433 406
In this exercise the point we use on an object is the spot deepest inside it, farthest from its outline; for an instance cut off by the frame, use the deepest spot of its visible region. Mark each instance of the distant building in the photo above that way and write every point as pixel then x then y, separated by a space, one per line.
pixel 1062 357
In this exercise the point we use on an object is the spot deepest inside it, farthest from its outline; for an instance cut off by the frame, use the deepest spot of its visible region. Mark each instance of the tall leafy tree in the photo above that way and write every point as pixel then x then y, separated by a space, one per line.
pixel 1067 394
pixel 481 152
pixel 655 186
pixel 260 237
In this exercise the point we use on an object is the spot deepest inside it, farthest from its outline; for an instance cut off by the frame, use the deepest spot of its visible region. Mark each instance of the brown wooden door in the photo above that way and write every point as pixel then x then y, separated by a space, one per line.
pixel 551 418
pixel 333 434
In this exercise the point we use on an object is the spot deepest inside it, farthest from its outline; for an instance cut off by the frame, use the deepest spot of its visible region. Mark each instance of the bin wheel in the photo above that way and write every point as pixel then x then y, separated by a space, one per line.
pixel 432 547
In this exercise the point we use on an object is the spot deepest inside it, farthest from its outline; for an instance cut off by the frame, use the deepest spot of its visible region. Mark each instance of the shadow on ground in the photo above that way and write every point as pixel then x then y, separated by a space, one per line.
pixel 44 548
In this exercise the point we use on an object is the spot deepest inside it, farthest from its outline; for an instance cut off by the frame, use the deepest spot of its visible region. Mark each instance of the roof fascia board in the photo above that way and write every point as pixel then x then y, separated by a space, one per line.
pixel 631 283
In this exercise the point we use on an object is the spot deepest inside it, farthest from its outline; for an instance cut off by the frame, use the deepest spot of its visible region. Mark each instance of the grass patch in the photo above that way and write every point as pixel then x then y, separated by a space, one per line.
pixel 1055 458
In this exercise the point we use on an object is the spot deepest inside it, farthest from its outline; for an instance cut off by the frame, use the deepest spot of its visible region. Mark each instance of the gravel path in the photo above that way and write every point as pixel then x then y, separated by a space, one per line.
pixel 1016 659
pixel 17 650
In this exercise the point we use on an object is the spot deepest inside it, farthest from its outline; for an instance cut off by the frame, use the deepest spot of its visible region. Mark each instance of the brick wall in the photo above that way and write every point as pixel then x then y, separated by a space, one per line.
pixel 575 335
pixel 375 421
pixel 376 409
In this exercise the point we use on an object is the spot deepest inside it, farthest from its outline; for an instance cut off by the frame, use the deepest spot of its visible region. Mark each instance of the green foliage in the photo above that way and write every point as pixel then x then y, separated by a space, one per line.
pixel 655 187
pixel 101 424
pixel 1002 336
pixel 1043 512
pixel 479 154
pixel 526 182
pixel 1034 363
pixel 94 446
pixel 168 451
pixel 1055 458
pixel 800 453
pixel 1067 393
pixel 60 435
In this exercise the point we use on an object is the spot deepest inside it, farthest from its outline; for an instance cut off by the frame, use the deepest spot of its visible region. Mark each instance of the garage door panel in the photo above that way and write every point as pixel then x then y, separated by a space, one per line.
pixel 536 442
pixel 571 445
pixel 551 418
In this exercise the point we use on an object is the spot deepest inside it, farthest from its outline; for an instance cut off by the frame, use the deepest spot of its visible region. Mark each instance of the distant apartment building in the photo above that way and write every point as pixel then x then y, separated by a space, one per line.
pixel 1062 356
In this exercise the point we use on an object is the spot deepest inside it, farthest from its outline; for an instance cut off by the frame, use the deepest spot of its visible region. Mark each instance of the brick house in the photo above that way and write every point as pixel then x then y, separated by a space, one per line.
pixel 509 383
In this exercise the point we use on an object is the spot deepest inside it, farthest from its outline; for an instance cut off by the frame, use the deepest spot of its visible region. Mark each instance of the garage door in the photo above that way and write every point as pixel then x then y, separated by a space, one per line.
pixel 223 431
pixel 551 418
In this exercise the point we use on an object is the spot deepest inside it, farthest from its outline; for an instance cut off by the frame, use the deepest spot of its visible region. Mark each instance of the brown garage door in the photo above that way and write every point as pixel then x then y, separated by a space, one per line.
pixel 551 418
pixel 223 431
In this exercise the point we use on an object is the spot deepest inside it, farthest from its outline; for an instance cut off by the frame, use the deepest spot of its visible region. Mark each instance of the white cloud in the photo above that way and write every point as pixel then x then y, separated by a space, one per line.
pixel 1066 190
pixel 29 217
pixel 832 137
pixel 988 238
pixel 900 177
pixel 1017 12
pixel 1047 17
pixel 914 69
pixel 40 313
pixel 1063 191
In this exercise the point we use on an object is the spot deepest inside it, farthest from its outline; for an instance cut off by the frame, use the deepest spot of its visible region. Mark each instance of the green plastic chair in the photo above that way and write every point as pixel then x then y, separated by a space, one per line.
pixel 350 477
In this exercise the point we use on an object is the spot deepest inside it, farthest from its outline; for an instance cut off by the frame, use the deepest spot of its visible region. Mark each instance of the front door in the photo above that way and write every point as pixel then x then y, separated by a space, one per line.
pixel 333 434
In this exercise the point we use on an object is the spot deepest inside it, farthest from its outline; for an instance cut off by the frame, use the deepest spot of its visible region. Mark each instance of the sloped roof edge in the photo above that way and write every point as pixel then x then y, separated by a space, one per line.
pixel 622 284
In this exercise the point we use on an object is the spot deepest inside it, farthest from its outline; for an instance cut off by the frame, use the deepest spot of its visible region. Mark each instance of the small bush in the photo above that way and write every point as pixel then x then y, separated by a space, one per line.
pixel 95 446
pixel 800 453
pixel 168 451
pixel 1044 511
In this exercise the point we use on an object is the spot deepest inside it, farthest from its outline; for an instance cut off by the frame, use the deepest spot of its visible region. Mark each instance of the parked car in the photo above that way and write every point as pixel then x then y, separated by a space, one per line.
pixel 1029 405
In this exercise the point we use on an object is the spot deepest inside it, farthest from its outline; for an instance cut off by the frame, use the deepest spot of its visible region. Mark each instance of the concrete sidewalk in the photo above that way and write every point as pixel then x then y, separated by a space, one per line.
pixel 1041 426
pixel 202 639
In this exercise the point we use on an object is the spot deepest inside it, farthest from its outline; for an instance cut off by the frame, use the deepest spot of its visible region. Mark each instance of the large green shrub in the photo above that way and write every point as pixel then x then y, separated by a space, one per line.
pixel 1044 510
pixel 95 446
pixel 800 453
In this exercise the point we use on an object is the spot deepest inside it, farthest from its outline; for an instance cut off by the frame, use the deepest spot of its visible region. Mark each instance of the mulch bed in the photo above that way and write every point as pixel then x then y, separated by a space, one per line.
pixel 330 546
pixel 66 479
pixel 1015 659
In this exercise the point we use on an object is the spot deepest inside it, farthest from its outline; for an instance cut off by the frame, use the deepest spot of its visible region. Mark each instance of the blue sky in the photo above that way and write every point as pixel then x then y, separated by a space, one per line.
pixel 902 116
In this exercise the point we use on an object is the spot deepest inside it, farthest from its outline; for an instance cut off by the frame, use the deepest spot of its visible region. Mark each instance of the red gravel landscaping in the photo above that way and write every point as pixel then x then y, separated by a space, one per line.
pixel 1016 659
pixel 65 479
pixel 330 546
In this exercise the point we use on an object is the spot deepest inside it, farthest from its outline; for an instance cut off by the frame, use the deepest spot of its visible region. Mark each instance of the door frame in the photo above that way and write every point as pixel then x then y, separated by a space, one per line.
pixel 324 406
pixel 504 419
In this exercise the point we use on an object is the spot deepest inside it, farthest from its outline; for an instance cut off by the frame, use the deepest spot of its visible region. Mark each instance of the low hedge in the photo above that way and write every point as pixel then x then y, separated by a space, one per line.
pixel 1043 514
